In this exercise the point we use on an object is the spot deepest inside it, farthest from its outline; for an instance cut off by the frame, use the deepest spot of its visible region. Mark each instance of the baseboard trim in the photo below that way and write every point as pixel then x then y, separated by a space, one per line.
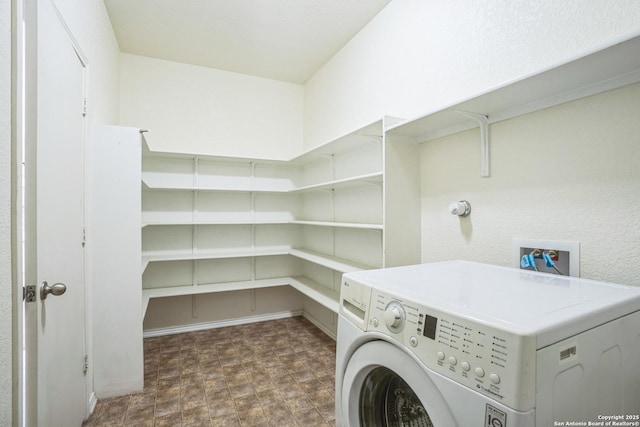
pixel 221 324
pixel 107 390
pixel 93 401
pixel 319 325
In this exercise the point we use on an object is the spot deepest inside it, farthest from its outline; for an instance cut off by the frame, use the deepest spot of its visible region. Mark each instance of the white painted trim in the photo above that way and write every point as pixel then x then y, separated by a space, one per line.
pixel 93 401
pixel 19 100
pixel 318 324
pixel 219 324
pixel 74 42
pixel 120 389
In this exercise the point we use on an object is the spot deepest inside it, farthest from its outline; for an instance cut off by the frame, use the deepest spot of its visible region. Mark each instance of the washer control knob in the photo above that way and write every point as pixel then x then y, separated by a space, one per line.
pixel 440 355
pixel 413 341
pixel 394 316
pixel 375 322
pixel 494 378
pixel 465 366
pixel 453 360
pixel 479 372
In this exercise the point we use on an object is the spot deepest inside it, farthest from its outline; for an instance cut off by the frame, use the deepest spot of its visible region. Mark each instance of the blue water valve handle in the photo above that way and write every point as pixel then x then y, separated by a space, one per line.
pixel 547 260
pixel 532 261
pixel 524 262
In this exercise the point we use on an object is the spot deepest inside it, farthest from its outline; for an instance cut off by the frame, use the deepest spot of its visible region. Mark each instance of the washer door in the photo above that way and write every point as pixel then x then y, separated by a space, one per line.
pixel 384 386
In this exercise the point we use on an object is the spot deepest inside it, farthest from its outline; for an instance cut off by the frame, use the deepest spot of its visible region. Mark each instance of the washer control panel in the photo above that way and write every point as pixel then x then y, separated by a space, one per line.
pixel 494 362
pixel 394 316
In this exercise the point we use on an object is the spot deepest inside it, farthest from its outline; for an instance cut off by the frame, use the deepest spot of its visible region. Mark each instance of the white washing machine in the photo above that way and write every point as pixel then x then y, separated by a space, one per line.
pixel 466 344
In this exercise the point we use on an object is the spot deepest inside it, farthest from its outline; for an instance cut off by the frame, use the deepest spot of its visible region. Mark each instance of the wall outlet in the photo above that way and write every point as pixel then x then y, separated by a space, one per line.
pixel 564 254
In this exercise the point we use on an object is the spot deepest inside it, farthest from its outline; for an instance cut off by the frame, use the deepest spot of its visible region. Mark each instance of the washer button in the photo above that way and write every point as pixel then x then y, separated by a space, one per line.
pixel 479 372
pixel 495 378
pixel 375 322
pixel 413 341
pixel 465 366
pixel 453 360
pixel 440 355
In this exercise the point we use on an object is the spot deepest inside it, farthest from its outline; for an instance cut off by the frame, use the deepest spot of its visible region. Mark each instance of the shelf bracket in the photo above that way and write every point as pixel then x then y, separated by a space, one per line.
pixel 194 307
pixel 196 171
pixel 483 121
pixel 252 179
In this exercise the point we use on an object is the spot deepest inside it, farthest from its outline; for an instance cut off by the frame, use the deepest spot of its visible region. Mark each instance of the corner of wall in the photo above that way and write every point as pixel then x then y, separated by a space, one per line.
pixel 6 293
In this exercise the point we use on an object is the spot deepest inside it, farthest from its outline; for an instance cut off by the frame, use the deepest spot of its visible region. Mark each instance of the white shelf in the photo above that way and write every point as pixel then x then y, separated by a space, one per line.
pixel 371 178
pixel 368 134
pixel 147 294
pixel 147 151
pixel 212 222
pixel 338 264
pixel 192 256
pixel 323 295
pixel 148 186
pixel 607 69
pixel 340 224
pixel 299 222
pixel 335 263
pixel 177 256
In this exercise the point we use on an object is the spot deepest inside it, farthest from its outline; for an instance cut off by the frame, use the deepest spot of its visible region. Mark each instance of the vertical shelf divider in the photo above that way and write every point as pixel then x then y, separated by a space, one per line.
pixel 332 196
pixel 194 225
pixel 194 266
pixel 252 186
pixel 194 306
pixel 194 233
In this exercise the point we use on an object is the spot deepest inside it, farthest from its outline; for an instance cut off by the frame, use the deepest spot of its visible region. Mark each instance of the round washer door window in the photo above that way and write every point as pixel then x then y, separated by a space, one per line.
pixel 385 387
pixel 387 400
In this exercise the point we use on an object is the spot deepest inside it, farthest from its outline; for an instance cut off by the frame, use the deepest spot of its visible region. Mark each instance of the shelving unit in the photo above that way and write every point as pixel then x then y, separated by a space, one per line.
pixel 219 224
pixel 214 224
pixel 600 71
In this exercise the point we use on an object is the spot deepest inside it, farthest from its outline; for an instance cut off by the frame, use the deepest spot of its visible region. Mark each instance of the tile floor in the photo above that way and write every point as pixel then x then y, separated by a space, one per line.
pixel 274 373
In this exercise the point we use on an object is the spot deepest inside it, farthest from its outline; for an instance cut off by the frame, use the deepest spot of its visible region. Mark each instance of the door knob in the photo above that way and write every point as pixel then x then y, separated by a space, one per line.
pixel 57 289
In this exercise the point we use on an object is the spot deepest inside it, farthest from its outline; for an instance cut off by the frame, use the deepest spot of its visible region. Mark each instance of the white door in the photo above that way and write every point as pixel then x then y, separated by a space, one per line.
pixel 54 220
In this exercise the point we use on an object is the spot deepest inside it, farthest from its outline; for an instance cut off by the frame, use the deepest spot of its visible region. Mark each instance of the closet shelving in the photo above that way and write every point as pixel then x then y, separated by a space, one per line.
pixel 218 224
pixel 597 72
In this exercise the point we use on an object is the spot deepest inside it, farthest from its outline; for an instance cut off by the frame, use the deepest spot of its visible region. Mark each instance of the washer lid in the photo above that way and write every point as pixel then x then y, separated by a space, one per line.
pixel 522 302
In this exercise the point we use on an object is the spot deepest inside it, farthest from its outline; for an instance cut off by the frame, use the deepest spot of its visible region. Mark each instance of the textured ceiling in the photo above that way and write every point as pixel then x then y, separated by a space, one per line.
pixel 285 40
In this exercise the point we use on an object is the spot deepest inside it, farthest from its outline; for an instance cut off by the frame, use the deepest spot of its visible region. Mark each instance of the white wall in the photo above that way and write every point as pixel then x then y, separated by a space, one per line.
pixel 195 109
pixel 417 56
pixel 6 322
pixel 555 174
pixel 571 172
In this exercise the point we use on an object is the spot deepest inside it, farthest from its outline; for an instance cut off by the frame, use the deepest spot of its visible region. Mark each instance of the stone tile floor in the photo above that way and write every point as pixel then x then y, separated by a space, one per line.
pixel 274 373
